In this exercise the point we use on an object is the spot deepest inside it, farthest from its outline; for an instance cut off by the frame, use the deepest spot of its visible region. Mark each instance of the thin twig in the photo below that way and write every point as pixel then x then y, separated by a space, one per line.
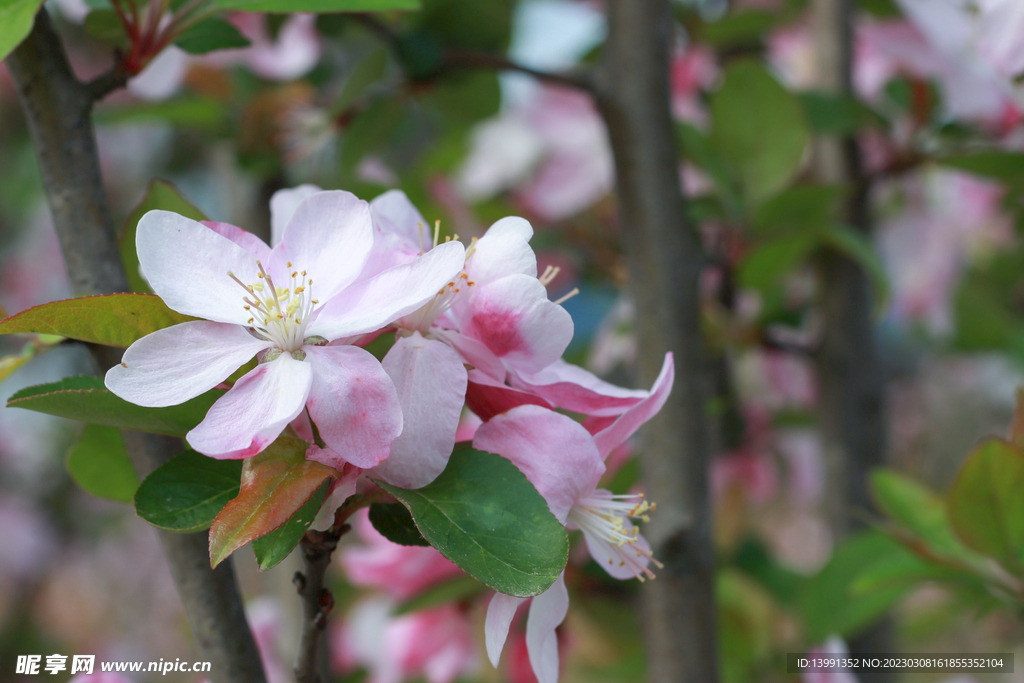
pixel 109 81
pixel 317 601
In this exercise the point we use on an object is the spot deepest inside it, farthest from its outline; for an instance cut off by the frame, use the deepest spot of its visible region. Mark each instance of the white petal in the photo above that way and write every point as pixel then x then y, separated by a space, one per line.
pixel 282 207
pixel 394 213
pixel 329 236
pixel 503 250
pixel 255 411
pixel 547 611
pixel 177 363
pixel 370 305
pixel 431 384
pixel 499 617
pixel 187 264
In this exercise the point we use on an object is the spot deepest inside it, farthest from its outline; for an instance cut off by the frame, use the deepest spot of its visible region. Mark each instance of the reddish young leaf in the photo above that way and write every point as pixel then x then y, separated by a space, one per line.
pixel 275 484
pixel 111 319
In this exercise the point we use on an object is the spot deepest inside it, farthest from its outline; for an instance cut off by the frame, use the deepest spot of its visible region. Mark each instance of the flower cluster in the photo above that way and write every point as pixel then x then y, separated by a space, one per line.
pixel 473 328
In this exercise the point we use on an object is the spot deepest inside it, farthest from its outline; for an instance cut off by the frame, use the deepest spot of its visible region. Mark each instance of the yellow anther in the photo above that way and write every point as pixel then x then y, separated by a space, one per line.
pixel 300 290
pixel 289 264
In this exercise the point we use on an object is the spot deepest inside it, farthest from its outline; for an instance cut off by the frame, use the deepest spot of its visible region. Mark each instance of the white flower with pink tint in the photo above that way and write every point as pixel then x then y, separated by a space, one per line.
pixel 284 305
pixel 565 462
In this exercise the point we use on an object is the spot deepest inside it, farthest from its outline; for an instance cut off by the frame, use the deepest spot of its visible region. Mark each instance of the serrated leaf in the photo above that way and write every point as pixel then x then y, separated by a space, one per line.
pixel 275 485
pixel 187 492
pixel 318 6
pixel 16 17
pixel 758 127
pixel 394 522
pixel 483 515
pixel 86 399
pixel 986 508
pixel 161 195
pixel 99 463
pixel 449 591
pixel 209 35
pixel 279 543
pixel 109 319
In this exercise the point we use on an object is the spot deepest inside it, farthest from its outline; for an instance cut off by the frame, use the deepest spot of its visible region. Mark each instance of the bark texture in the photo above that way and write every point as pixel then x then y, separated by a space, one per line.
pixel 665 261
pixel 58 108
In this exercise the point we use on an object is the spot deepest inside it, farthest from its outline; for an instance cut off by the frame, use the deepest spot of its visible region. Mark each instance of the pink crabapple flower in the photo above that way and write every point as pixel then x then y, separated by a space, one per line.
pixel 565 461
pixel 284 305
pixel 435 644
pixel 401 571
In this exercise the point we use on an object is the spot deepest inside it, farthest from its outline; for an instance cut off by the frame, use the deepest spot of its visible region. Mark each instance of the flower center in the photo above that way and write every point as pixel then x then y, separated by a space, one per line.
pixel 279 315
pixel 605 517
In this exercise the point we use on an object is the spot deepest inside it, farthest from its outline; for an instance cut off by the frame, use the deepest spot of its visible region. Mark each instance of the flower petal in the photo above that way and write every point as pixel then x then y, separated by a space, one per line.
pixel 282 207
pixel 394 213
pixel 254 411
pixel 329 236
pixel 631 420
pixel 515 320
pixel 177 363
pixel 487 397
pixel 500 612
pixel 353 404
pixel 372 304
pixel 431 384
pixel 555 453
pixel 503 250
pixel 547 611
pixel 473 352
pixel 246 240
pixel 187 265
pixel 610 557
pixel 571 387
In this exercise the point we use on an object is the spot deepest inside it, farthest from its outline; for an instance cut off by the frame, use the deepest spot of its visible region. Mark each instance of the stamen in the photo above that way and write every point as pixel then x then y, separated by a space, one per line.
pixel 574 292
pixel 437 231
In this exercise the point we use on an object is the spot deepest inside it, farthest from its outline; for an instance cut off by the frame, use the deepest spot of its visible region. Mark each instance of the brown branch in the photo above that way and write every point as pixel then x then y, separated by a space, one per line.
pixel 665 260
pixel 317 602
pixel 106 83
pixel 59 112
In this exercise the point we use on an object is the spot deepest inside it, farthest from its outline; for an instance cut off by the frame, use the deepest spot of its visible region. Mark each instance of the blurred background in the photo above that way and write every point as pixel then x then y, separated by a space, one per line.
pixel 409 100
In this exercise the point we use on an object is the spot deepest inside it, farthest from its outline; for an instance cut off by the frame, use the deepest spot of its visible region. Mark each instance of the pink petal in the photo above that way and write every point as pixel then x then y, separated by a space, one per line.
pixel 353 404
pixel 573 388
pixel 473 352
pixel 631 420
pixel 329 236
pixel 282 207
pixel 177 363
pixel 555 453
pixel 254 411
pixel 431 384
pixel 503 250
pixel 547 611
pixel 487 397
pixel 371 304
pixel 394 213
pixel 500 612
pixel 515 320
pixel 246 240
pixel 187 264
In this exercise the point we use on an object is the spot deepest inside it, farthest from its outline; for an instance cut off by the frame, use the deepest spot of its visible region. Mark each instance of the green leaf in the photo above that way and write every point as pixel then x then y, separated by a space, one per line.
pixel 917 509
pixel 188 111
pixel 110 319
pixel 368 71
pixel 106 26
pixel 766 264
pixel 394 522
pixel 16 18
pixel 318 6
pixel 209 35
pixel 758 126
pixel 739 28
pixel 162 195
pixel 370 130
pixel 276 484
pixel 986 508
pixel 86 399
pixel 832 114
pixel 99 463
pixel 798 209
pixel 858 248
pixel 38 346
pixel 483 515
pixel 449 591
pixel 998 165
pixel 187 492
pixel 829 605
pixel 280 542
